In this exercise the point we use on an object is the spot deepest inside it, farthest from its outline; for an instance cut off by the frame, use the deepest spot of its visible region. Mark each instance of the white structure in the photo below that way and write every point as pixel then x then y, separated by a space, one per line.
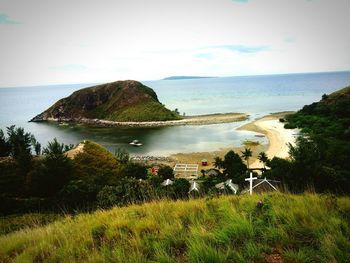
pixel 263 185
pixel 167 182
pixel 234 187
pixel 188 171
pixel 212 172
pixel 194 187
pixel 266 181
pixel 251 179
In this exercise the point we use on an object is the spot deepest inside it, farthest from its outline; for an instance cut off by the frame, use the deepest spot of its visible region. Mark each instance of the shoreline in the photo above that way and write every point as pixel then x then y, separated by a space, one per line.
pixel 216 118
pixel 278 139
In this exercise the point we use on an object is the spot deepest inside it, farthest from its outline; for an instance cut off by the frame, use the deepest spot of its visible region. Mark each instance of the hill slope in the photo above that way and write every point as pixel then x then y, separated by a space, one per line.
pixel 117 101
pixel 304 228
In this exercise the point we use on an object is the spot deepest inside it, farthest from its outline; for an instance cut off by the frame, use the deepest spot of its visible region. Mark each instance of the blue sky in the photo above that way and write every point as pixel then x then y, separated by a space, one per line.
pixel 52 42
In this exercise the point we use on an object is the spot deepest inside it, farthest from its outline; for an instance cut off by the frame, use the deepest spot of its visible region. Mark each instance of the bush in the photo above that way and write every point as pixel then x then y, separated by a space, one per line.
pixel 134 170
pixel 166 172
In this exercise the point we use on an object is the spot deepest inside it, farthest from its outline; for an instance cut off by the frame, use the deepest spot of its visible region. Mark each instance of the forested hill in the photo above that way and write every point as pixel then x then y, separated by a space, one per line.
pixel 330 117
pixel 116 101
pixel 324 153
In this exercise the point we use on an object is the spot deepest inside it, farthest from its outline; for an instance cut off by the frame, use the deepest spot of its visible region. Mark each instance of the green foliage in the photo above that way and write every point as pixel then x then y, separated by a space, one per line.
pixel 14 223
pixel 54 148
pixel 122 155
pixel 293 228
pixel 135 170
pixel 11 181
pixel 148 111
pixel 246 154
pixel 117 101
pixel 5 147
pixel 180 187
pixel 233 166
pixel 96 166
pixel 262 157
pixel 218 162
pixel 166 172
pixel 321 158
pixel 20 143
pixel 126 191
pixel 36 145
pixel 251 143
pixel 58 170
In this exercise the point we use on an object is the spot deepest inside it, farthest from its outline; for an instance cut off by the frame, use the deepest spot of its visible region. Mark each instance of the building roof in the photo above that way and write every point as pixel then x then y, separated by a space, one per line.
pixel 228 184
pixel 264 185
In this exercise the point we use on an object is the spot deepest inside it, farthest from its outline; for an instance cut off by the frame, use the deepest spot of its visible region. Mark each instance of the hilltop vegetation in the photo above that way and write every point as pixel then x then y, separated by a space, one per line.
pixel 321 158
pixel 307 228
pixel 117 101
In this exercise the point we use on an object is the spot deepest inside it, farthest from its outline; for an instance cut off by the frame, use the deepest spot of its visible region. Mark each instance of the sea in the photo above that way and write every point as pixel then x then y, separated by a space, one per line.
pixel 255 95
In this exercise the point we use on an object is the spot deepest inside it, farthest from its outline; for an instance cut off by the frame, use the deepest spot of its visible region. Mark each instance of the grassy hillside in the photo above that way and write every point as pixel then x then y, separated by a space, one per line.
pixel 305 228
pixel 117 101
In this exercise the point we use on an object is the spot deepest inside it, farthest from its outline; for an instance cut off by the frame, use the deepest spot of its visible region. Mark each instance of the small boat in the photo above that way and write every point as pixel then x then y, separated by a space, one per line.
pixel 136 143
pixel 259 135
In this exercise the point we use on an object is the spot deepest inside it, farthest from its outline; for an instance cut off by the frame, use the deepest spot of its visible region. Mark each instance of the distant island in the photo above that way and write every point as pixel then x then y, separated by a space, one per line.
pixel 186 77
pixel 120 101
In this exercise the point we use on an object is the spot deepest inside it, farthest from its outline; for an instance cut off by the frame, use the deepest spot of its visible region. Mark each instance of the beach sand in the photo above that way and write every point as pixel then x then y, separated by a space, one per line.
pixel 278 137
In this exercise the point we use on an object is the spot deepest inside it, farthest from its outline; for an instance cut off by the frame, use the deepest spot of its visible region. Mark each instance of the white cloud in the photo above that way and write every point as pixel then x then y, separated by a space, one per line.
pixel 92 41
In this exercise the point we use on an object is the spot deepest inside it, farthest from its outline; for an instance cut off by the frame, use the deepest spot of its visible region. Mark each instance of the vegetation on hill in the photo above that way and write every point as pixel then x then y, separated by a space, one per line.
pixel 117 101
pixel 321 157
pixel 259 228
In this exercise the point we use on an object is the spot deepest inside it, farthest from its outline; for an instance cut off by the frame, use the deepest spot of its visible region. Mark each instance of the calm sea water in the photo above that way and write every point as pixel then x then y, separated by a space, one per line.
pixel 256 95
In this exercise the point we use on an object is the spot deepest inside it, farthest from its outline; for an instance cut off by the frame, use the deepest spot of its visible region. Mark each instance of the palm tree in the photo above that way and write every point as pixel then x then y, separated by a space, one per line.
pixel 246 154
pixel 263 159
pixel 218 162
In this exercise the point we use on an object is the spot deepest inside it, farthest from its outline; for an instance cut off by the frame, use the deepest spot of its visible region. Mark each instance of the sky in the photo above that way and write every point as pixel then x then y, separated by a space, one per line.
pixel 89 41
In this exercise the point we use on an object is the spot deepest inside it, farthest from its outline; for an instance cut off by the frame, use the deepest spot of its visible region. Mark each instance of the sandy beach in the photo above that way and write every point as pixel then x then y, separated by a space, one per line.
pixel 270 126
pixel 279 138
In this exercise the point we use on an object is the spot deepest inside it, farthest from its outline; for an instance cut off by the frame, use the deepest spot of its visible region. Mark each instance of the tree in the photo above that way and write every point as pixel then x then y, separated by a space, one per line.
pixel 135 170
pixel 233 166
pixel 57 170
pixel 5 147
pixel 37 148
pixel 20 147
pixel 246 154
pixel 218 162
pixel 54 148
pixel 181 187
pixel 166 172
pixel 36 145
pixel 122 155
pixel 263 159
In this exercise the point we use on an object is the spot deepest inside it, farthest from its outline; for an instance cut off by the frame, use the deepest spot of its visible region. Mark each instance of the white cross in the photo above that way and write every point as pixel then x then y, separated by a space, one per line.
pixel 251 179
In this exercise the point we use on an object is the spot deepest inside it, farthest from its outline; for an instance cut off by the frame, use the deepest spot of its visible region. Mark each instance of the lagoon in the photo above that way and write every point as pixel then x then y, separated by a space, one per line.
pixel 256 95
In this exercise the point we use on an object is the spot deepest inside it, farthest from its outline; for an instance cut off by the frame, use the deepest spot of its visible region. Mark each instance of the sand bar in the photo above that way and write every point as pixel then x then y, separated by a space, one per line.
pixel 188 120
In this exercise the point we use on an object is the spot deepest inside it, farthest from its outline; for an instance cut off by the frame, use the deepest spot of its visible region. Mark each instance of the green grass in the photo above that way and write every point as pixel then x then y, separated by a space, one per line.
pixel 13 223
pixel 250 143
pixel 305 228
pixel 147 111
